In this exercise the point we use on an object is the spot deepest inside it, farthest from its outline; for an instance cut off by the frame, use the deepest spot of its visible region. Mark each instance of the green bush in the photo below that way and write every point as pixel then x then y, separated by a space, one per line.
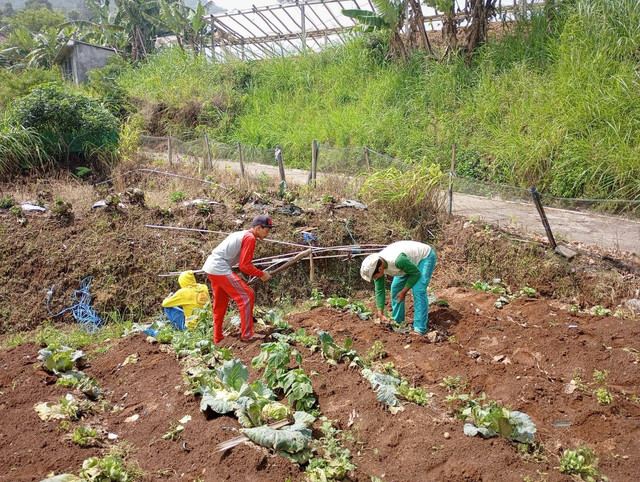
pixel 17 84
pixel 102 83
pixel 67 122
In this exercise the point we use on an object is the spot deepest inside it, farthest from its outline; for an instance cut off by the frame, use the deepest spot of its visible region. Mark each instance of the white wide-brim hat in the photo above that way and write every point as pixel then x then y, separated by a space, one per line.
pixel 368 266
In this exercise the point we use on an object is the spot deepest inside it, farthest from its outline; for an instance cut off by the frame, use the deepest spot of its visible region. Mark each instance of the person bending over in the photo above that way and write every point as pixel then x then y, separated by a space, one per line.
pixel 179 306
pixel 411 264
pixel 237 248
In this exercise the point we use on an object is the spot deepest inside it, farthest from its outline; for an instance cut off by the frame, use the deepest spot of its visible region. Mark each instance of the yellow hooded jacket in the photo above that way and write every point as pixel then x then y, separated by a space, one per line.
pixel 191 295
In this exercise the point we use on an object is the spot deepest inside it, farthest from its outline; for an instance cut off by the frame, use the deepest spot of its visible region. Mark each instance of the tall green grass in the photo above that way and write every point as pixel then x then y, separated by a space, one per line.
pixel 551 104
pixel 571 128
pixel 20 148
pixel 173 77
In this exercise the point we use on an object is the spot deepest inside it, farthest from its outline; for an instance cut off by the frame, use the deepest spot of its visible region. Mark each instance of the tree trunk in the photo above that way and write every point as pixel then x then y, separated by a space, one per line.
pixel 417 21
pixel 397 48
pixel 481 12
pixel 450 32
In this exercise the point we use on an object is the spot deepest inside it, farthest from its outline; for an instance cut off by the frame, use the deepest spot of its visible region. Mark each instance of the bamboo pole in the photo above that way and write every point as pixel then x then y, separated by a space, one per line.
pixel 289 263
pixel 213 38
pixel 272 260
pixel 314 162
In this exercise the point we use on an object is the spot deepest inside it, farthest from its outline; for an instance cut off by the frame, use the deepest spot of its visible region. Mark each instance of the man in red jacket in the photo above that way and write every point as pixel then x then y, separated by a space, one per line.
pixel 237 248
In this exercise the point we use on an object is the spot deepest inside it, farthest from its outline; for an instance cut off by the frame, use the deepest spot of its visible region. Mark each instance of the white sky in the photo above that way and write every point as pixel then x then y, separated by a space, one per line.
pixel 243 4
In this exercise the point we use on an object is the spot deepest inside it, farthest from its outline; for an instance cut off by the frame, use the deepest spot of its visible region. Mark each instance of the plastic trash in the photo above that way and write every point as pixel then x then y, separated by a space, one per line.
pixel 31 207
pixel 351 204
pixel 199 201
pixel 309 238
pixel 290 210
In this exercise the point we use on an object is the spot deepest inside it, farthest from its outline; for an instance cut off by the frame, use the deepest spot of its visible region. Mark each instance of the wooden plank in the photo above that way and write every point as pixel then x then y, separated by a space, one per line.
pixel 565 252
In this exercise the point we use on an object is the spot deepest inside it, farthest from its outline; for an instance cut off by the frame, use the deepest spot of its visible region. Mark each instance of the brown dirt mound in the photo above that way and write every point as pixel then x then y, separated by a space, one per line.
pixel 523 356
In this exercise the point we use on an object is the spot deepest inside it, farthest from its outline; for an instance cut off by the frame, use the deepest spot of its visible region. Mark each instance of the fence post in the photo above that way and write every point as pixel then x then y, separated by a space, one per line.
pixel 209 156
pixel 545 223
pixel 314 162
pixel 453 166
pixel 170 148
pixel 240 159
pixel 366 158
pixel 280 164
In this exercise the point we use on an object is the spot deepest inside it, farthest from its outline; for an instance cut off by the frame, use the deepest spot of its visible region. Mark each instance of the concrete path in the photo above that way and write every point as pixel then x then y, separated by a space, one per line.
pixel 609 232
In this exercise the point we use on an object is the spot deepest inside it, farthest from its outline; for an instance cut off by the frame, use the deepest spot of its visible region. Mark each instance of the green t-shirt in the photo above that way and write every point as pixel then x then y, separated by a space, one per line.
pixel 411 271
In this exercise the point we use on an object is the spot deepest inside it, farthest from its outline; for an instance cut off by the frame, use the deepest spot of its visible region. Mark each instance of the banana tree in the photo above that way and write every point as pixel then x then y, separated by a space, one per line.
pixel 186 23
pixel 26 49
pixel 133 16
pixel 481 12
pixel 389 16
pixel 130 19
pixel 449 24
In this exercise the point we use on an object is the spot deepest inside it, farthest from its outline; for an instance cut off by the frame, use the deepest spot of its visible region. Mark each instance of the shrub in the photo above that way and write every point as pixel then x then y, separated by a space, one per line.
pixel 68 122
pixel 17 84
pixel 102 83
pixel 412 195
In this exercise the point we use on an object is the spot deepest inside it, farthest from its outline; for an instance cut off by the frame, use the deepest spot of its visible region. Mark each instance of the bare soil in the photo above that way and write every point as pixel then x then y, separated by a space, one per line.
pixel 523 355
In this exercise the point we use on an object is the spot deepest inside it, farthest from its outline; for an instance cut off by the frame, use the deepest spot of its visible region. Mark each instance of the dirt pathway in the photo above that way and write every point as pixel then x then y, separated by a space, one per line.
pixel 609 232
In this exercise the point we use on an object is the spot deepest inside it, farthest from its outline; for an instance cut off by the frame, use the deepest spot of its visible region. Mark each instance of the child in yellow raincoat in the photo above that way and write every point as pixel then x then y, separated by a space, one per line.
pixel 179 306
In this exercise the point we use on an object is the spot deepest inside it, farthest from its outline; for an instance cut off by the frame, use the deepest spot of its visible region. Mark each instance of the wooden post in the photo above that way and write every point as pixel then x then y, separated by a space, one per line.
pixel 545 223
pixel 303 19
pixel 311 269
pixel 209 156
pixel 240 159
pixel 366 158
pixel 170 148
pixel 453 166
pixel 314 162
pixel 213 38
pixel 280 164
pixel 561 250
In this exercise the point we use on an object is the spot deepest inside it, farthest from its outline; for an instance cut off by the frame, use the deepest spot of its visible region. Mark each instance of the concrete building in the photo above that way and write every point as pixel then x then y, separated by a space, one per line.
pixel 76 58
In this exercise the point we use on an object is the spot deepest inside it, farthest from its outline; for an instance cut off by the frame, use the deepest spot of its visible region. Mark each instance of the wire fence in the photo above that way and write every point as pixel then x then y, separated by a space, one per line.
pixel 501 192
pixel 502 204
